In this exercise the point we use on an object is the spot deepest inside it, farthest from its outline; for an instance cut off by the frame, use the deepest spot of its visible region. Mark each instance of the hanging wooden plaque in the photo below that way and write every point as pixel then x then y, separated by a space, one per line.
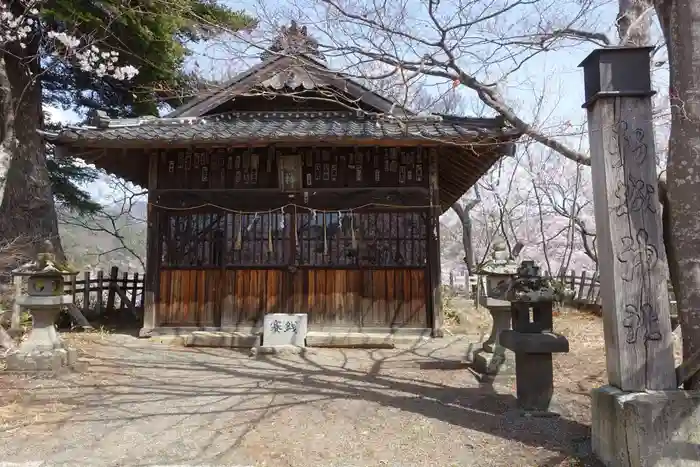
pixel 290 171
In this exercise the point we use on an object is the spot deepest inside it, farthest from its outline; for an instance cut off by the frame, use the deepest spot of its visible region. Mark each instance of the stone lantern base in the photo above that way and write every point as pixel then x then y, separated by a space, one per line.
pixel 497 363
pixel 51 361
pixel 43 350
pixel 492 358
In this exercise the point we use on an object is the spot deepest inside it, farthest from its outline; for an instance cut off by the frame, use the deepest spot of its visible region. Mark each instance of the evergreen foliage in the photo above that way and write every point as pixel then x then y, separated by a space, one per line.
pixel 156 37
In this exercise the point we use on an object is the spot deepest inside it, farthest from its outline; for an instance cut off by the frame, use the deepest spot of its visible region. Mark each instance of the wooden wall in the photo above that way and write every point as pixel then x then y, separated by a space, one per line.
pixel 322 167
pixel 331 297
pixel 352 266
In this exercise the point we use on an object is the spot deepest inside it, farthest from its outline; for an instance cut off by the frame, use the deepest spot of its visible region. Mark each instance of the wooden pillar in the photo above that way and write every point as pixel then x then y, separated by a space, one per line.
pixel 16 317
pixel 434 267
pixel 150 284
pixel 633 274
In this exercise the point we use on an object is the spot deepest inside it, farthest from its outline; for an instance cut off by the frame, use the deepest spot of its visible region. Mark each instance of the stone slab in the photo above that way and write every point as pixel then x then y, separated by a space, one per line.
pixel 178 341
pixel 335 338
pixel 650 429
pixel 44 361
pixel 220 339
pixel 30 301
pixel 285 329
pixel 280 350
pixel 351 340
pixel 536 342
pixel 492 364
pixel 494 303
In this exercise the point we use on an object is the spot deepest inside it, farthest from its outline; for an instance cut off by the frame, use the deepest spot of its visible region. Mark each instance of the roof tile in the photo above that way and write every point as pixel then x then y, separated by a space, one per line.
pixel 279 125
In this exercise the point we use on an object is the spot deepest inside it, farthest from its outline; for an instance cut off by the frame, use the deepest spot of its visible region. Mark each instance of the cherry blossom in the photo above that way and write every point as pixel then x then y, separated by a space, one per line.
pixel 86 56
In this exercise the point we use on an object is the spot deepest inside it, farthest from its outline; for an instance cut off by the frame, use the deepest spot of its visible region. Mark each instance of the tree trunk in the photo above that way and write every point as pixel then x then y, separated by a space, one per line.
pixel 7 127
pixel 464 214
pixel 679 21
pixel 27 210
pixel 634 22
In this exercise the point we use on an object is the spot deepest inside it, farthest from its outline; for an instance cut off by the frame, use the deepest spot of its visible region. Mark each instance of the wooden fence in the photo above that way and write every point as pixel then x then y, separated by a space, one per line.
pixel 97 294
pixel 586 288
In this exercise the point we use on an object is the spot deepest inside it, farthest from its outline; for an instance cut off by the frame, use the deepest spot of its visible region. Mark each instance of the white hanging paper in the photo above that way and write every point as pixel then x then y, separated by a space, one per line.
pixel 296 237
pixel 269 232
pixel 325 237
pixel 252 223
pixel 237 243
pixel 352 231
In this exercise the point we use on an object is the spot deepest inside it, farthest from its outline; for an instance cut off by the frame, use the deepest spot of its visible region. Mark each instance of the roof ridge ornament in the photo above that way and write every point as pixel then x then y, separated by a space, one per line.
pixel 293 40
pixel 98 118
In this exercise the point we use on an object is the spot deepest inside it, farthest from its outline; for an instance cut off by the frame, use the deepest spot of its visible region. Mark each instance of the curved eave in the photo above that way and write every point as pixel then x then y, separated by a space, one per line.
pixel 459 170
pixel 461 161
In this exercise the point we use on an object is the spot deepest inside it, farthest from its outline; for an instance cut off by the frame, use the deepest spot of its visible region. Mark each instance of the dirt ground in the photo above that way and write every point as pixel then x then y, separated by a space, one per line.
pixel 138 403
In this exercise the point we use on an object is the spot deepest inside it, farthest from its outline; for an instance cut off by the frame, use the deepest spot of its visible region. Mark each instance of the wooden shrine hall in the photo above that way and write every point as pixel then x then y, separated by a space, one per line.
pixel 293 188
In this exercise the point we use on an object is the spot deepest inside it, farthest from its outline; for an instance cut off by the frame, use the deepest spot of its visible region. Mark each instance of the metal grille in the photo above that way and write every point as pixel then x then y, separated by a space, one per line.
pixel 208 240
pixel 380 239
pixel 192 240
pixel 258 239
pixel 345 240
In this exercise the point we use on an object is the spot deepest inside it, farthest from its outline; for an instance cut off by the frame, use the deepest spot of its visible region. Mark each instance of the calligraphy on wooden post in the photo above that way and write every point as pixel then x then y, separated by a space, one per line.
pixel 639 254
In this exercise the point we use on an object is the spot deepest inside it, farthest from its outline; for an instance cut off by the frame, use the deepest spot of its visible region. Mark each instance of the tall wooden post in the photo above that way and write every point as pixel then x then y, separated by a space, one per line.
pixel 150 283
pixel 434 265
pixel 633 275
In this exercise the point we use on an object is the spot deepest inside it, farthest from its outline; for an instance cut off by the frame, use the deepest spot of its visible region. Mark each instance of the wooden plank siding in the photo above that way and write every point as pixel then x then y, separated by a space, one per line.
pixel 331 297
pixel 355 254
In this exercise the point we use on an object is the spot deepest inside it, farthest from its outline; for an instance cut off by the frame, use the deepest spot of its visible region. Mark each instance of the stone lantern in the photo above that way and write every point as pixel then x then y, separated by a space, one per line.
pixel 43 350
pixel 493 358
pixel 532 338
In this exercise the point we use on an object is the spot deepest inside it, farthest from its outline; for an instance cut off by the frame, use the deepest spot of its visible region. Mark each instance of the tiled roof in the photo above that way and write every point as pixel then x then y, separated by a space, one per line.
pixel 246 126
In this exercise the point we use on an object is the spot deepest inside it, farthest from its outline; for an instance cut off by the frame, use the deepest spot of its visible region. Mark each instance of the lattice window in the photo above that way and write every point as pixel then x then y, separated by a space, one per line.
pixel 209 240
pixel 381 239
pixel 220 239
pixel 193 240
pixel 259 239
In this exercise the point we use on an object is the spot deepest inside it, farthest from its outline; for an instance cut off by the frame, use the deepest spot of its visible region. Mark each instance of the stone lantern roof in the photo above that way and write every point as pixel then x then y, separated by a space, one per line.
pixel 44 265
pixel 501 263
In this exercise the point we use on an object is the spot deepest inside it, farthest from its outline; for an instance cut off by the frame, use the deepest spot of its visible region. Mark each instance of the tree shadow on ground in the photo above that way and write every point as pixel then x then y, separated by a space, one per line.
pixel 249 390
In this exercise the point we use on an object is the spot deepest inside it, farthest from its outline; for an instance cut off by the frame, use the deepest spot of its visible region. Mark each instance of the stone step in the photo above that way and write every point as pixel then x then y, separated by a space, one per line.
pixel 220 339
pixel 362 340
pixel 341 339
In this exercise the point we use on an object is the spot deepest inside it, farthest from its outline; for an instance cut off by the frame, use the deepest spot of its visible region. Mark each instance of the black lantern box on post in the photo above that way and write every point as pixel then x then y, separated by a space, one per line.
pixel 43 350
pixel 491 358
pixel 532 338
pixel 614 72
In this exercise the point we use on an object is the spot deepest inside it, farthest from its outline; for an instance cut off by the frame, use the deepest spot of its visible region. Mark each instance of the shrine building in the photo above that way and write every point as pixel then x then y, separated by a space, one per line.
pixel 293 189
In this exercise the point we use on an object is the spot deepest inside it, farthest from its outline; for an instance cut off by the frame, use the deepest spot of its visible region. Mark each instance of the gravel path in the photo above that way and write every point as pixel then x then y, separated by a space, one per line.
pixel 139 403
